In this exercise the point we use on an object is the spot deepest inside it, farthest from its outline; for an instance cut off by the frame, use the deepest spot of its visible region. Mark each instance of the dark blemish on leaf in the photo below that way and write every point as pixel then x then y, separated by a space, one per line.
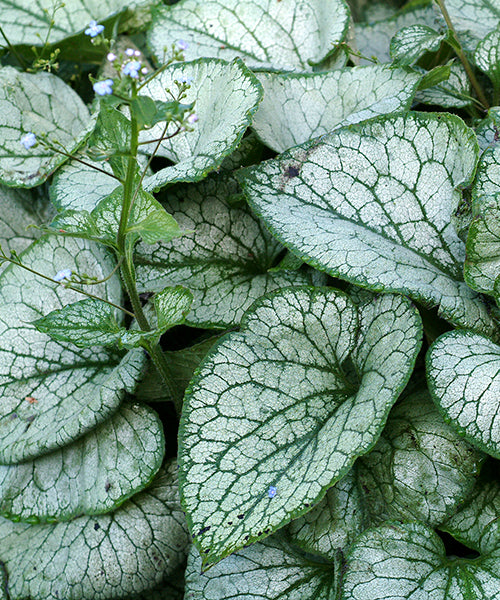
pixel 246 537
pixel 241 516
pixel 31 400
pixel 292 171
pixel 204 530
pixel 206 551
pixel 96 526
pixel 229 523
pixel 267 530
pixel 307 505
pixel 107 486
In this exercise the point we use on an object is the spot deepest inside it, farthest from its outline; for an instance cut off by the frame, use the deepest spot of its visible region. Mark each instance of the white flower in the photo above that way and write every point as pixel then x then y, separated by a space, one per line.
pixel 111 57
pixel 28 140
pixel 62 275
pixel 103 88
pixel 129 52
pixel 192 119
pixel 94 29
pixel 144 70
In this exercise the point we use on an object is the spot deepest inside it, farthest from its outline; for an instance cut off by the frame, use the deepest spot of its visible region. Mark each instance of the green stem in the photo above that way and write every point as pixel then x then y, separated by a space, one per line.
pixel 461 55
pixel 20 59
pixel 163 368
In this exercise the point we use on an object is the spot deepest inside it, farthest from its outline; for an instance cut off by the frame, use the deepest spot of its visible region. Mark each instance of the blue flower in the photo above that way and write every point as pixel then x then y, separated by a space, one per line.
pixel 103 88
pixel 28 140
pixel 62 275
pixel 94 29
pixel 132 69
pixel 272 491
pixel 182 45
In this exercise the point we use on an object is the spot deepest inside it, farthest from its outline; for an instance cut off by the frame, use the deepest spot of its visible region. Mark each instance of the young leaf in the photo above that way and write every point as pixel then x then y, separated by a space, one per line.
pixel 225 262
pixel 408 560
pixel 264 33
pixel 410 43
pixel 462 370
pixel 371 204
pixel 298 107
pixel 279 411
pixel 225 96
pixel 26 23
pixel 93 475
pixel 88 323
pixel 451 92
pixel 110 141
pixel 270 570
pixel 73 390
pixel 420 468
pixel 44 105
pixel 171 306
pixel 113 555
pixel 148 220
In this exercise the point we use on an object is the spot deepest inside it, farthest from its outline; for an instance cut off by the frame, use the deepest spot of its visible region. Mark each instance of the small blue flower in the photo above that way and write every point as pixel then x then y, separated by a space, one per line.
pixel 132 69
pixel 62 275
pixel 28 140
pixel 94 29
pixel 182 45
pixel 272 491
pixel 192 119
pixel 103 88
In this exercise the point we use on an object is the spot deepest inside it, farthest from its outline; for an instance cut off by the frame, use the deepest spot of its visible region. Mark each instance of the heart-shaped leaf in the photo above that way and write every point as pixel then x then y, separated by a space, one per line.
pixel 420 468
pixel 462 370
pixel 410 43
pixel 53 393
pixel 121 553
pixel 225 96
pixel 271 570
pixel 264 33
pixel 487 56
pixel 371 204
pixel 298 107
pixel 225 262
pixel 453 92
pixel 93 475
pixel 408 560
pixel 41 104
pixel 473 19
pixel 279 411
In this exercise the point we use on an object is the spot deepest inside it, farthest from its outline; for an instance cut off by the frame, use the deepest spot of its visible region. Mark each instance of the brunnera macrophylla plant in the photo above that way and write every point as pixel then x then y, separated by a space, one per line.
pixel 266 234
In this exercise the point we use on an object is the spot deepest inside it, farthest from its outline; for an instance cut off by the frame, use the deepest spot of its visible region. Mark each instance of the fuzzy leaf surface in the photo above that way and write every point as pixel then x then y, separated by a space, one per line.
pixel 298 107
pixel 42 104
pixel 274 416
pixel 473 19
pixel 409 43
pixel 371 204
pixel 463 374
pixel 74 389
pixel 91 476
pixel 225 95
pixel 123 552
pixel 264 33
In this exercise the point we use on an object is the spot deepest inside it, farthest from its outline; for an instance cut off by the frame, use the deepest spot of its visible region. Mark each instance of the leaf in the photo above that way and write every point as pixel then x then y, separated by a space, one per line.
pixel 420 468
pixel 279 411
pixel 434 77
pixel 488 130
pixel 481 509
pixel 225 95
pixel 124 552
pixel 264 33
pixel 298 107
pixel 144 109
pixel 473 19
pixel 371 203
pixel 90 323
pixel 171 306
pixel 482 265
pixel 93 475
pixel 270 570
pixel 225 262
pixel 373 37
pixel 408 560
pixel 410 43
pixel 21 214
pixel 487 56
pixel 334 523
pixel 454 92
pixel 46 106
pixel 462 373
pixel 148 220
pixel 26 23
pixel 110 141
pixel 75 390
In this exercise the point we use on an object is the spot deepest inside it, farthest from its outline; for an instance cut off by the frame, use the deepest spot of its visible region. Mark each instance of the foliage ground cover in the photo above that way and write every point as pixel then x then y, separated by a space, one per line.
pixel 249 291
